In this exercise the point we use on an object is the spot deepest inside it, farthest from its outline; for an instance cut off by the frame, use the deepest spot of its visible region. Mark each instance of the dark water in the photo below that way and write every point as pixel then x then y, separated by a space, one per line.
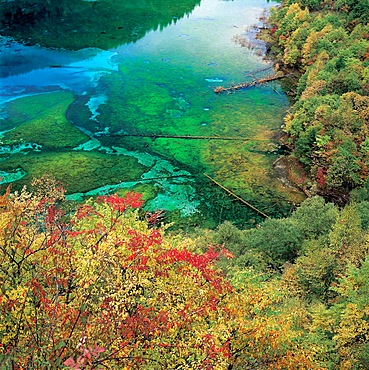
pixel 96 94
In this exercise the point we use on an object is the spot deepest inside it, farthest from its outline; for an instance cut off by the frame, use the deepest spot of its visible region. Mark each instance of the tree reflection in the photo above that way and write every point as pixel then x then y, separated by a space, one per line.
pixel 77 24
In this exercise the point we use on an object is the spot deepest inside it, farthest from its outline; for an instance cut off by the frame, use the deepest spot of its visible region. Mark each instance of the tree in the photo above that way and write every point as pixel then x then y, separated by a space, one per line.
pixel 96 287
pixel 315 271
pixel 278 240
pixel 267 336
pixel 347 320
pixel 347 238
pixel 328 123
pixel 344 172
pixel 101 285
pixel 315 217
pixel 357 11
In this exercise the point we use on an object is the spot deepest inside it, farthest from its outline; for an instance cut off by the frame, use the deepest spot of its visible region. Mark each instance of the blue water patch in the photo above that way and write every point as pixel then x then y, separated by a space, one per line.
pixel 15 175
pixel 175 193
pixel 31 69
pixel 93 105
pixel 213 79
pixel 20 148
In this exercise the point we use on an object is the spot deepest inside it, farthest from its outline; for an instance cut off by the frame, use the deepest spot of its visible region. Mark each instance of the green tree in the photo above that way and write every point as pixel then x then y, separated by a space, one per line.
pixel 347 238
pixel 278 240
pixel 344 172
pixel 357 11
pixel 315 270
pixel 315 217
pixel 347 321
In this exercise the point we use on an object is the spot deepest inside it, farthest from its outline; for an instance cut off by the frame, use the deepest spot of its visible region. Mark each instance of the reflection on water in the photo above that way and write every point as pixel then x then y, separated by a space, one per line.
pixel 28 70
pixel 107 120
pixel 77 24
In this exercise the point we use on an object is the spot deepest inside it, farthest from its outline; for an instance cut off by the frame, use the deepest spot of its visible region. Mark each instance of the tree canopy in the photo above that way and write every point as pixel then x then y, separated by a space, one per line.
pixel 327 43
pixel 95 286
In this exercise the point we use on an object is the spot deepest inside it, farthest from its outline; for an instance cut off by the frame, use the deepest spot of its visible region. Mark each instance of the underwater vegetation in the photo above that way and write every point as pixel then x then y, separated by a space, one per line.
pixel 41 119
pixel 144 115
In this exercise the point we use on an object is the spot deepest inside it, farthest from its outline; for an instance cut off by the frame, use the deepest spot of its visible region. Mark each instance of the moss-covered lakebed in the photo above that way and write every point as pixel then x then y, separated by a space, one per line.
pixel 144 116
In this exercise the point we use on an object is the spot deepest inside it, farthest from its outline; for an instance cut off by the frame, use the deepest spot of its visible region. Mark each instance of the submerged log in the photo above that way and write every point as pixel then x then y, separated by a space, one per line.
pixel 237 197
pixel 244 85
pixel 149 179
pixel 186 137
pixel 253 73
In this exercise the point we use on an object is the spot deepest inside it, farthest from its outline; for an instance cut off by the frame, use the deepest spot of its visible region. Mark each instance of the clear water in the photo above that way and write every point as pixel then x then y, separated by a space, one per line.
pixel 92 105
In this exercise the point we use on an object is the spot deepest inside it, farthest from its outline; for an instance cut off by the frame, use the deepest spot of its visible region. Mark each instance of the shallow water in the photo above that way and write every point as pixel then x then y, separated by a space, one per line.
pixel 99 120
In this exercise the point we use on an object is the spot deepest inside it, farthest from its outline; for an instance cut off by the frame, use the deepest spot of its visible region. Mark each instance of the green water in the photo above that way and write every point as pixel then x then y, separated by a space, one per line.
pixel 91 105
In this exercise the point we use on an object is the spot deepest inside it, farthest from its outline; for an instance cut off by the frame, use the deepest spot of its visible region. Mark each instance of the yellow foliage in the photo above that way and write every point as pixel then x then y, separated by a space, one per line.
pixel 293 9
pixel 104 278
pixel 314 88
pixel 353 327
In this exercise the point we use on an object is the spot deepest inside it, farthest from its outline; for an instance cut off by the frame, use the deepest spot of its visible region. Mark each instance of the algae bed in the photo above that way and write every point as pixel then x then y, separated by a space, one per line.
pixel 129 104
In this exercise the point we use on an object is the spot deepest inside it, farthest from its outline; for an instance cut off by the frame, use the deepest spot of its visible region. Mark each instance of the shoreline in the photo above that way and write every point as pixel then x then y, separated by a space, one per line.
pixel 287 170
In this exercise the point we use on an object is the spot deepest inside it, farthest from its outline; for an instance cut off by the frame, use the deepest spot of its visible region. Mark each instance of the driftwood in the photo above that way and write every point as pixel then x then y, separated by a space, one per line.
pixel 237 197
pixel 244 85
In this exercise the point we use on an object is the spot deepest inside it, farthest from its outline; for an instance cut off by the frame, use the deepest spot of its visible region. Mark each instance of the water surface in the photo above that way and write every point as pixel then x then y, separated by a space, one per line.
pixel 100 105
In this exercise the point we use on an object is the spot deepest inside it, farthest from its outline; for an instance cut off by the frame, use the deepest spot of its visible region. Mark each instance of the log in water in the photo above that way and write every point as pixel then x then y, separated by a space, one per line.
pixel 244 85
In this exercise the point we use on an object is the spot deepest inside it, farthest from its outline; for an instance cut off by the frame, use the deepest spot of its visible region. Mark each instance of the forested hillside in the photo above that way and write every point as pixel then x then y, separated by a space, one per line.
pixel 96 287
pixel 103 285
pixel 327 44
pixel 319 258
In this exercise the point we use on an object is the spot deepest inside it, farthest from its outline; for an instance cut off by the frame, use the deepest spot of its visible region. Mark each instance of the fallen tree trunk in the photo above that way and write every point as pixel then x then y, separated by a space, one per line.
pixel 186 137
pixel 244 85
pixel 237 197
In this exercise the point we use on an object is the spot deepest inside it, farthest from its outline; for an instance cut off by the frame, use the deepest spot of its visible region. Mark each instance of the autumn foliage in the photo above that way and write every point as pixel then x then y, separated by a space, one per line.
pixel 94 287
pixel 326 44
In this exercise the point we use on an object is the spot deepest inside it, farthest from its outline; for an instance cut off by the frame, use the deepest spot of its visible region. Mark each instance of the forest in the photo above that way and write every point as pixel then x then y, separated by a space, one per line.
pixel 327 44
pixel 104 285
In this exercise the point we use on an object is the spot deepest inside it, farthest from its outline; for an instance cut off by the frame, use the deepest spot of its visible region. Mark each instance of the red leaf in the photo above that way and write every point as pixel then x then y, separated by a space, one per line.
pixel 71 364
pixel 120 204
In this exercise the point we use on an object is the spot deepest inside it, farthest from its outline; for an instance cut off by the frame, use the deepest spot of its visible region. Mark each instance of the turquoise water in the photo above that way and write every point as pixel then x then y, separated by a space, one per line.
pixel 102 107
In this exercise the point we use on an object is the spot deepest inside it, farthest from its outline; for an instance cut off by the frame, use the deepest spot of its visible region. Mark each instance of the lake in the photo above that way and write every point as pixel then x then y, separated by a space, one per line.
pixel 108 97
